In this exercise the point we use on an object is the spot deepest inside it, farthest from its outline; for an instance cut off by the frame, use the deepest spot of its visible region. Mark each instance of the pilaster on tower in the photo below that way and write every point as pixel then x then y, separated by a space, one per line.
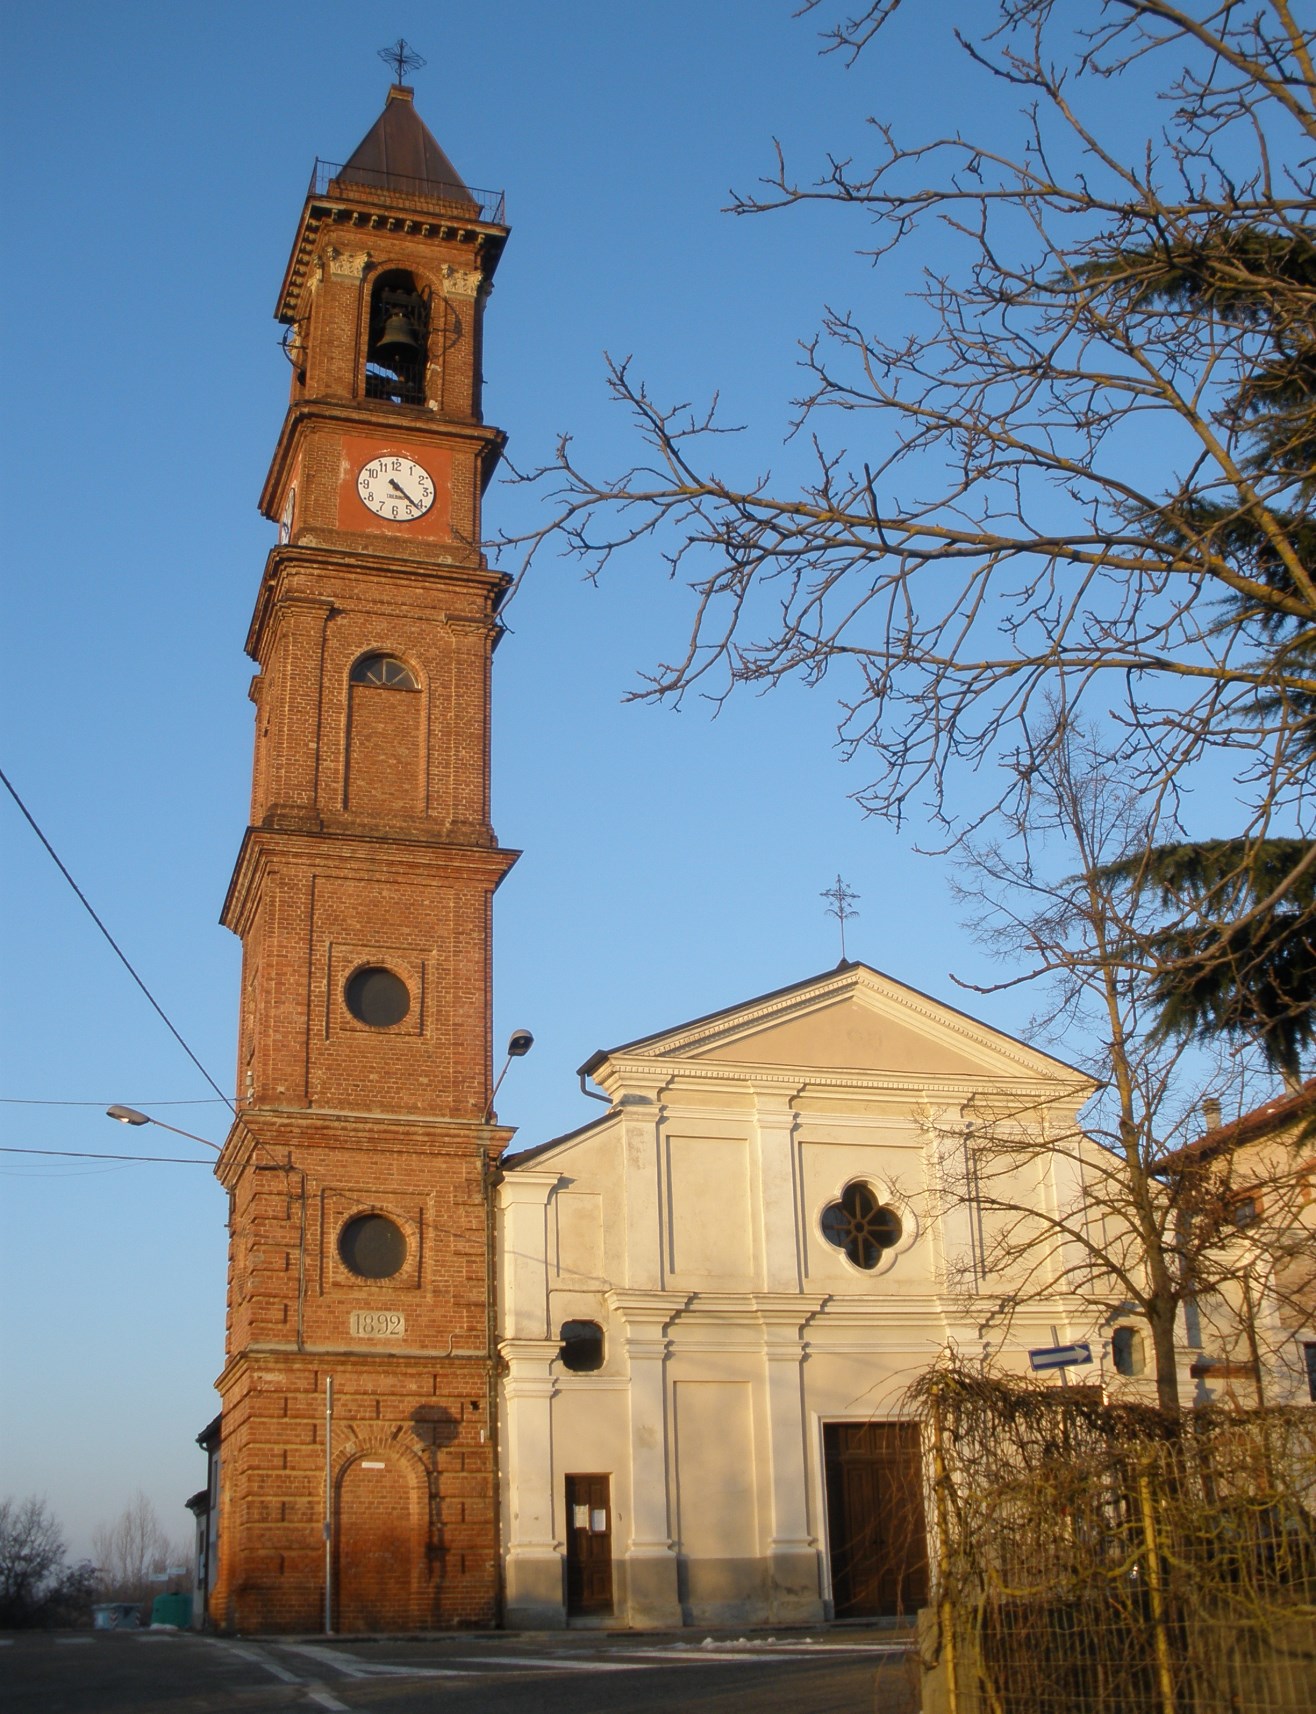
pixel 358 1165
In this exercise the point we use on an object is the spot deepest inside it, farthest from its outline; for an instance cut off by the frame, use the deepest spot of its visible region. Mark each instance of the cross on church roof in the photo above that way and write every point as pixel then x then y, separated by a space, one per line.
pixel 402 57
pixel 841 907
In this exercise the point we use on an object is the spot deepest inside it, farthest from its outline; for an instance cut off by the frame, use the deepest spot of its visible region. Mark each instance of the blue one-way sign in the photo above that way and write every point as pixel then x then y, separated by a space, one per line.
pixel 1060 1356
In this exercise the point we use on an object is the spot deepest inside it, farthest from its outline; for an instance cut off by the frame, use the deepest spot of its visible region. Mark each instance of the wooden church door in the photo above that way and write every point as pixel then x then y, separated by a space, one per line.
pixel 875 1526
pixel 589 1545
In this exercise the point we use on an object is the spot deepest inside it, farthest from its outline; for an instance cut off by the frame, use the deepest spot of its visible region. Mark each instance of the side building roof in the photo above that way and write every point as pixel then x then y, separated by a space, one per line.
pixel 1291 1108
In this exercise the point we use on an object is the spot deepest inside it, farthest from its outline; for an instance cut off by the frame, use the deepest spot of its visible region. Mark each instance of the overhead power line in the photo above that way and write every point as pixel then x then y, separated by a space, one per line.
pixel 119 952
pixel 83 1155
pixel 37 1101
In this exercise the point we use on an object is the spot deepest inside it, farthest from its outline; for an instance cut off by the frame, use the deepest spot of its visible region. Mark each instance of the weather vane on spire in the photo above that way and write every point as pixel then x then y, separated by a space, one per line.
pixel 402 57
pixel 841 907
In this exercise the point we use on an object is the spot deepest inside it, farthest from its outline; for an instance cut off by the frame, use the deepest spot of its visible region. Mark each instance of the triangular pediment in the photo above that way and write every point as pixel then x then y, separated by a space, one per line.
pixel 849 1020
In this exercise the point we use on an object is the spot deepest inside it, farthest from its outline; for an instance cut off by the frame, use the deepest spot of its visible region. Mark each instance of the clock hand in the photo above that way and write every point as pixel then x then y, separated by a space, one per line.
pixel 395 484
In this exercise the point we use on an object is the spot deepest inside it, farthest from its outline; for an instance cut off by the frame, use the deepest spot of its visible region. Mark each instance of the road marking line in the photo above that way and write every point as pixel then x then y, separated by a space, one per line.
pixel 350 1667
pixel 723 1659
pixel 764 1651
pixel 560 1663
pixel 326 1657
pixel 71 1642
pixel 258 1659
pixel 326 1700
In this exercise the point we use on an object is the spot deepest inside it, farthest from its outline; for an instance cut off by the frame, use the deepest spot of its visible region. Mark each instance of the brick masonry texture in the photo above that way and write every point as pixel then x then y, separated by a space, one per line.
pixel 369 846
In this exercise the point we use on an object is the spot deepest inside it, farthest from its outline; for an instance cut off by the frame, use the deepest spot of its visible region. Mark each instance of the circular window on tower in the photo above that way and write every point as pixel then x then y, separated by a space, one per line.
pixel 372 1247
pixel 861 1225
pixel 377 996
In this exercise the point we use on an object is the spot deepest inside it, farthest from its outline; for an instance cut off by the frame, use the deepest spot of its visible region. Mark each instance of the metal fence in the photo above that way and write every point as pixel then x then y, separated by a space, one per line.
pixel 487 206
pixel 1111 1559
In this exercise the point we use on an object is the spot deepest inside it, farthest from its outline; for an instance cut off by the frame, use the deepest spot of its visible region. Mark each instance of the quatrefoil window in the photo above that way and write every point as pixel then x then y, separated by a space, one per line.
pixel 861 1225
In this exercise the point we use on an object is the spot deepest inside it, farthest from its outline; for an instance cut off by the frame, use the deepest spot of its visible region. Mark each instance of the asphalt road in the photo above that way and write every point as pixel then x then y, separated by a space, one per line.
pixel 164 1672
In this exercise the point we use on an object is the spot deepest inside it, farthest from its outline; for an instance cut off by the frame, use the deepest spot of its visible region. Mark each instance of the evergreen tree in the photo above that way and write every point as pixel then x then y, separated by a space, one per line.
pixel 1237 956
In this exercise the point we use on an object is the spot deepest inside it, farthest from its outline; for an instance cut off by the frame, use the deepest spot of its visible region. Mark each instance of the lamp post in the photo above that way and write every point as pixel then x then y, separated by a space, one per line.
pixel 130 1116
pixel 519 1044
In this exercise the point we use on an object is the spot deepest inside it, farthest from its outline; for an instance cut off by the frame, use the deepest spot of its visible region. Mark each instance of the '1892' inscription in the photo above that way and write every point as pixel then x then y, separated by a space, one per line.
pixel 373 1322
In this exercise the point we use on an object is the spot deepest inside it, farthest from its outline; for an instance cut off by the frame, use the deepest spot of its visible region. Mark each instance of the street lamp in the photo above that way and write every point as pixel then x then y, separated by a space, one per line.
pixel 519 1044
pixel 130 1116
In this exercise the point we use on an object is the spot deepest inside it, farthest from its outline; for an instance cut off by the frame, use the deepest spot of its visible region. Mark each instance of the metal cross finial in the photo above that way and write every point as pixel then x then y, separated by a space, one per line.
pixel 402 58
pixel 841 907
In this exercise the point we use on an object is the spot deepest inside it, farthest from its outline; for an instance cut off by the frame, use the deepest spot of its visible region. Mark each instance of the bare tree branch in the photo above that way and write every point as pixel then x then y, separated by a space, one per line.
pixel 1051 481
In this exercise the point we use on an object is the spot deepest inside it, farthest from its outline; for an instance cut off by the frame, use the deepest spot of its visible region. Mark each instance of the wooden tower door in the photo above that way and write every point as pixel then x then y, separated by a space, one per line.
pixel 589 1545
pixel 875 1528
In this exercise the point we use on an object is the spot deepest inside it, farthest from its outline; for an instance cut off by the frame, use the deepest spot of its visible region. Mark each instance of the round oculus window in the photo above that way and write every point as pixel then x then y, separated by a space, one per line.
pixel 377 997
pixel 372 1247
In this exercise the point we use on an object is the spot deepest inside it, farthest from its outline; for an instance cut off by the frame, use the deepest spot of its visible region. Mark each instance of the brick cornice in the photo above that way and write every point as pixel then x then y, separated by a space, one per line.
pixel 385 855
pixel 465 572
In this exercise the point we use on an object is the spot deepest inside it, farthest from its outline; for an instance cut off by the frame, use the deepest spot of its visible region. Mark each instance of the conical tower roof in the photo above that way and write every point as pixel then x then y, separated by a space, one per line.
pixel 398 153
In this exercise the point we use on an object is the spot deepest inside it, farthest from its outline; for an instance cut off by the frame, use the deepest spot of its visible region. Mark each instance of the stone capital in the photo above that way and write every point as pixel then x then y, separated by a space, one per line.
pixel 347 264
pixel 522 1189
pixel 461 282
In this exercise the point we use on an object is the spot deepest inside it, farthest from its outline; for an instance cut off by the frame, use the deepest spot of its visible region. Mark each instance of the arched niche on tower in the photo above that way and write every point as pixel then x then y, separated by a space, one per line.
pixel 398 318
pixel 382 1527
pixel 384 768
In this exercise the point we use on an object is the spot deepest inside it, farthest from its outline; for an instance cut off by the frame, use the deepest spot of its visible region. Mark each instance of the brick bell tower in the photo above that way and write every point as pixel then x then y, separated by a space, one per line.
pixel 357 1471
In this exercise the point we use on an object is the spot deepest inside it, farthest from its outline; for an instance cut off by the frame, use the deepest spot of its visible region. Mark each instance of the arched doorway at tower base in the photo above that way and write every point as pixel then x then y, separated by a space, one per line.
pixel 376 1559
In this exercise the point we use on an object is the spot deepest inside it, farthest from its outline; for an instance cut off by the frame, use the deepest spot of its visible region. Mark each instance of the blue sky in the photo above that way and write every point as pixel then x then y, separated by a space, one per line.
pixel 157 159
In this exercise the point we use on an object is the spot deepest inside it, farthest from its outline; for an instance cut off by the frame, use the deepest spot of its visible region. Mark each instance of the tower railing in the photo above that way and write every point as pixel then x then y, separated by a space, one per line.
pixel 488 206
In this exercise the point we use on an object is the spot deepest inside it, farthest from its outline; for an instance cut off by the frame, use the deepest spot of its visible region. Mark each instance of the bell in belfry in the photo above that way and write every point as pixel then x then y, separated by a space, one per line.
pixel 399 338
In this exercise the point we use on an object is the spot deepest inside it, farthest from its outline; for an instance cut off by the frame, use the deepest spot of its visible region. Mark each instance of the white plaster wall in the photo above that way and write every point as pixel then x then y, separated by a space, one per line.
pixel 710 1235
pixel 719 1480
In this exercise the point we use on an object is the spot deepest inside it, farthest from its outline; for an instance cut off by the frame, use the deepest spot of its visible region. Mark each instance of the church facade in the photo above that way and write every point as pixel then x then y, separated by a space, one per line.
pixel 714 1298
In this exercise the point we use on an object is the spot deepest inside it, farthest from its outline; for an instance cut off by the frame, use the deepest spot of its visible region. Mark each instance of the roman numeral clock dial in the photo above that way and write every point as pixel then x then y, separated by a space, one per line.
pixel 396 488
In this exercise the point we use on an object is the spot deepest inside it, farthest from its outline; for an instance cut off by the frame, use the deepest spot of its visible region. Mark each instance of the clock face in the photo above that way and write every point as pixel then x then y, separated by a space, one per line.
pixel 285 522
pixel 396 488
